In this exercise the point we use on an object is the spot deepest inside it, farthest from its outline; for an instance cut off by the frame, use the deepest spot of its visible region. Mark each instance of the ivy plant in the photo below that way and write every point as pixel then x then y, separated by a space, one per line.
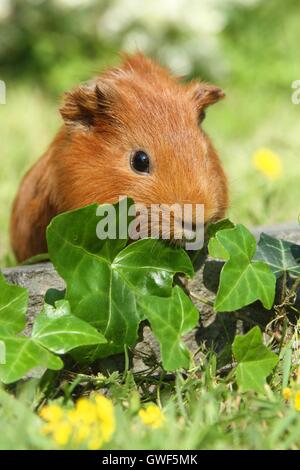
pixel 112 285
pixel 55 331
pixel 255 360
pixel 243 279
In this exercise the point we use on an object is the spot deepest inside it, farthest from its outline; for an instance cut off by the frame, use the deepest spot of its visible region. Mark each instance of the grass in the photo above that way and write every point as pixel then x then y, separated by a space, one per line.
pixel 29 122
pixel 202 411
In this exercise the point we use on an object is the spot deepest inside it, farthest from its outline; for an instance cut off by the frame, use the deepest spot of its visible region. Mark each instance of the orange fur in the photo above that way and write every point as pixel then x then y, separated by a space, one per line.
pixel 137 106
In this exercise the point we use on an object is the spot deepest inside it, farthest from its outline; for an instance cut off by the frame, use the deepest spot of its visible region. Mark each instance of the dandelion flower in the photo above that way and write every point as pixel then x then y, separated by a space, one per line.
pixel 152 416
pixel 287 393
pixel 268 163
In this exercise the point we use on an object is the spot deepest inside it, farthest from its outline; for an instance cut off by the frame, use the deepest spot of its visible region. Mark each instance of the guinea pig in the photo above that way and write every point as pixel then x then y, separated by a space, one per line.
pixel 134 130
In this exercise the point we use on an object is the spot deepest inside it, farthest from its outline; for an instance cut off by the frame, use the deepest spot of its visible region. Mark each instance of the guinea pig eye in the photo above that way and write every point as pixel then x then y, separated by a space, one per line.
pixel 140 162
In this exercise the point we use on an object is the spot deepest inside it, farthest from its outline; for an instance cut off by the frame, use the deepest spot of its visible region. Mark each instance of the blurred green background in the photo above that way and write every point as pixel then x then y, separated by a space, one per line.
pixel 250 48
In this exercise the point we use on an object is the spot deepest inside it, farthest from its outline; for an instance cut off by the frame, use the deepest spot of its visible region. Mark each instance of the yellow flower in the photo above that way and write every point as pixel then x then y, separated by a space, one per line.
pixel 286 393
pixel 268 163
pixel 51 413
pixel 90 423
pixel 62 433
pixel 105 412
pixel 297 401
pixel 86 410
pixel 152 416
pixel 81 433
pixel 56 425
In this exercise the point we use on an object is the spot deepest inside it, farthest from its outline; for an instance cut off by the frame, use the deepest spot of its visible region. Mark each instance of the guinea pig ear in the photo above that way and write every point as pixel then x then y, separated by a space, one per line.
pixel 205 94
pixel 83 105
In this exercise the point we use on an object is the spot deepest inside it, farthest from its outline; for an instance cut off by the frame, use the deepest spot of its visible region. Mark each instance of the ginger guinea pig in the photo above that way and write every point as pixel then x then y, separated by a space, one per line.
pixel 133 130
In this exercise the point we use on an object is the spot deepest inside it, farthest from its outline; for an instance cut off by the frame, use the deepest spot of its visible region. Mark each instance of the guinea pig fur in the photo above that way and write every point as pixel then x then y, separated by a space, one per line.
pixel 137 107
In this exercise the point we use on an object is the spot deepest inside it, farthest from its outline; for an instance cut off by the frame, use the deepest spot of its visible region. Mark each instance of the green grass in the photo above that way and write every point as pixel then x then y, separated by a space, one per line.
pixel 29 121
pixel 202 411
pixel 261 53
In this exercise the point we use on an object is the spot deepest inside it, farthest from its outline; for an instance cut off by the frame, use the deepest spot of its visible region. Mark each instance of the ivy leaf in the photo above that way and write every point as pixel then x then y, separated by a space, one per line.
pixel 255 360
pixel 21 354
pixel 282 256
pixel 214 246
pixel 242 280
pixel 54 330
pixel 59 331
pixel 13 306
pixel 109 283
pixel 170 318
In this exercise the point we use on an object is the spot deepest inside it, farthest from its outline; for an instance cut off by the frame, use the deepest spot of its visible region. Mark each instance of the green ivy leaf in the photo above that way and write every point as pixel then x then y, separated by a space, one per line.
pixel 282 256
pixel 170 318
pixel 54 330
pixel 243 280
pixel 109 284
pixel 214 246
pixel 255 360
pixel 13 306
pixel 59 331
pixel 23 354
